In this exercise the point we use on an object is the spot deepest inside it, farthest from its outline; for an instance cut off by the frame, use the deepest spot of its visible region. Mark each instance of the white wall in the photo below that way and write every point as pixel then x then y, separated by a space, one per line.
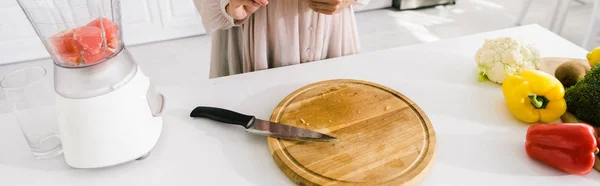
pixel 144 21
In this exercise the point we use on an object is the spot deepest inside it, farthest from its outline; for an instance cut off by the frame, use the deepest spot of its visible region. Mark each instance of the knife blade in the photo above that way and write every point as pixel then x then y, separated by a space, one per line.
pixel 260 127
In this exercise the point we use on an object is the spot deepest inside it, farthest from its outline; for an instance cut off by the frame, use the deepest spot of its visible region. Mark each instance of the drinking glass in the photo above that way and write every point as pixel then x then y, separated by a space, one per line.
pixel 30 93
pixel 3 103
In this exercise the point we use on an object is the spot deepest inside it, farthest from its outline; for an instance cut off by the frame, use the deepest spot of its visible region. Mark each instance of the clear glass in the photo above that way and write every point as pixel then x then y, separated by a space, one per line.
pixel 4 105
pixel 76 33
pixel 31 95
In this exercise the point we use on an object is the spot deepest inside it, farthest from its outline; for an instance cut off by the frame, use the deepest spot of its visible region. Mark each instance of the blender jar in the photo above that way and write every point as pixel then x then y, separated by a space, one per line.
pixel 76 33
pixel 84 39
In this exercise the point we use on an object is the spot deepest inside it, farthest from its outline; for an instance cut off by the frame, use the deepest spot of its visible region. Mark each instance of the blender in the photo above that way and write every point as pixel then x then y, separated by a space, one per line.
pixel 108 111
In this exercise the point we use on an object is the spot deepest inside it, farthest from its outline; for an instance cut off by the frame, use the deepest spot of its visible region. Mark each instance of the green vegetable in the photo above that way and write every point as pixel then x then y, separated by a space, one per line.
pixel 583 97
pixel 593 76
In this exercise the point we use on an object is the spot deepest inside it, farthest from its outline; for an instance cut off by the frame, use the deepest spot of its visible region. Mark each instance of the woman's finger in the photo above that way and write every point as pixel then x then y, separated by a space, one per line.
pixel 239 3
pixel 331 2
pixel 250 9
pixel 262 2
pixel 323 6
pixel 250 3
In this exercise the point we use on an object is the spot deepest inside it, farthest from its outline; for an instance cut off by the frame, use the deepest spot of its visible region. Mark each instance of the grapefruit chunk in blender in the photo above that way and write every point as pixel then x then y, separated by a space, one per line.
pixel 91 58
pixel 65 48
pixel 89 41
pixel 110 30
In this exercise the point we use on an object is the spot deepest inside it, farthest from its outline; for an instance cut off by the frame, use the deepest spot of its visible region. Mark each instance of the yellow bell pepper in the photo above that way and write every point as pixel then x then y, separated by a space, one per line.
pixel 593 56
pixel 534 96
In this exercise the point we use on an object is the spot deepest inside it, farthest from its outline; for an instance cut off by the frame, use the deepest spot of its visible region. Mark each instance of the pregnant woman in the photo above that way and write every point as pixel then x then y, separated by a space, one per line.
pixel 251 35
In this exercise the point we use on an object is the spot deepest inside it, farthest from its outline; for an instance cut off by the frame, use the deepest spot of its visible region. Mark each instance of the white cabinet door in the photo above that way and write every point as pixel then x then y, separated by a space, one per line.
pixel 140 20
pixel 18 40
pixel 180 18
pixel 147 21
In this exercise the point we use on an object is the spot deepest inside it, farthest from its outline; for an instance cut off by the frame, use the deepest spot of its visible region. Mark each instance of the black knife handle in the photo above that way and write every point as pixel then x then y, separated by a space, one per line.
pixel 223 115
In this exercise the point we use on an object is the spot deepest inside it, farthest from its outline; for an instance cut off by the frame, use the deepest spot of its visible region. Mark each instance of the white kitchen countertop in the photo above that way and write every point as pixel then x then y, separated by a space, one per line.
pixel 479 142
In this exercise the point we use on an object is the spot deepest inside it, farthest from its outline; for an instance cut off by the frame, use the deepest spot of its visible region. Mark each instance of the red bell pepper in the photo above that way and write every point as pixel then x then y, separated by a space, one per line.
pixel 570 147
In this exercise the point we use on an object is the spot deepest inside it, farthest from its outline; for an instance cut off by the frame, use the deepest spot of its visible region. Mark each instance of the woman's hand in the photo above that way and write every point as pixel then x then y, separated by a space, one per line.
pixel 240 9
pixel 329 7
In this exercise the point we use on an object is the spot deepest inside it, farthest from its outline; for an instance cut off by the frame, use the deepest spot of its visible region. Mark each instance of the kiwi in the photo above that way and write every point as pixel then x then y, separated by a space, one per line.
pixel 571 72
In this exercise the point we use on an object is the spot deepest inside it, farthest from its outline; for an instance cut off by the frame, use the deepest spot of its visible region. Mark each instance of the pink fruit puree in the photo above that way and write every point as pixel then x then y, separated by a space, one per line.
pixel 86 44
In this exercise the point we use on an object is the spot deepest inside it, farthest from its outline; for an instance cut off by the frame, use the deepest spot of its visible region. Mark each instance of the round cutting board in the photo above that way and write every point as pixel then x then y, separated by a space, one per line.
pixel 384 138
pixel 549 64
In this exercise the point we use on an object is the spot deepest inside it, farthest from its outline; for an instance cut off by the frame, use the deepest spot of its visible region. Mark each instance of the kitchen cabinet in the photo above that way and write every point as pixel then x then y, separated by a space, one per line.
pixel 147 21
pixel 143 21
pixel 17 38
pixel 180 18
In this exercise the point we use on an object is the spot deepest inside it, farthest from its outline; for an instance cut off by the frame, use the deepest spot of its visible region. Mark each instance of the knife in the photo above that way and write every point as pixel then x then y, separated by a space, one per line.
pixel 261 127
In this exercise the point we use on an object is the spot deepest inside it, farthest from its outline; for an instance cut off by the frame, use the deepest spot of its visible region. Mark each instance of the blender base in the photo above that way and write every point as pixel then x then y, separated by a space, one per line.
pixel 144 156
pixel 109 129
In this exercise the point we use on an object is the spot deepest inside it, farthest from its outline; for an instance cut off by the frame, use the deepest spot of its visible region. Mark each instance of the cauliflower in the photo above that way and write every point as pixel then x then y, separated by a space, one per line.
pixel 501 57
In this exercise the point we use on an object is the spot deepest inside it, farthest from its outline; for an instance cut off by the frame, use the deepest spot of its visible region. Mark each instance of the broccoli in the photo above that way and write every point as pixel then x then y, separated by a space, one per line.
pixel 583 98
pixel 593 76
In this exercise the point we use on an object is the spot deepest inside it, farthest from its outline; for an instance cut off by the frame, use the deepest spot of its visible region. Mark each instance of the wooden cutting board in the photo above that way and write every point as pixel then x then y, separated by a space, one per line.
pixel 549 65
pixel 385 139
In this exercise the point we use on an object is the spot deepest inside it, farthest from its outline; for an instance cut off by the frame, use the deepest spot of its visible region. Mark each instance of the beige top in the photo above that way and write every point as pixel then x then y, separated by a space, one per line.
pixel 285 32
